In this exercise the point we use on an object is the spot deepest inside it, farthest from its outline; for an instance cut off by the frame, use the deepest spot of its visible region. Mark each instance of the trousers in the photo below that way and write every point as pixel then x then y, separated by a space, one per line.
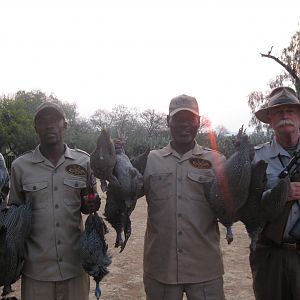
pixel 208 290
pixel 275 272
pixel 71 289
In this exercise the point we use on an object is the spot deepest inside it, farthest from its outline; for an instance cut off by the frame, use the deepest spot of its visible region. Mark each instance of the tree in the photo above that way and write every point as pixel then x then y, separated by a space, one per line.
pixel 82 135
pixel 17 133
pixel 123 122
pixel 221 131
pixel 290 61
pixel 153 122
pixel 101 119
pixel 205 124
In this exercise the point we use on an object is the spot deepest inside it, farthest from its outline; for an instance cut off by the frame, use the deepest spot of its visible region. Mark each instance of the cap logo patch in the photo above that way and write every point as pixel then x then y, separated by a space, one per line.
pixel 76 170
pixel 200 163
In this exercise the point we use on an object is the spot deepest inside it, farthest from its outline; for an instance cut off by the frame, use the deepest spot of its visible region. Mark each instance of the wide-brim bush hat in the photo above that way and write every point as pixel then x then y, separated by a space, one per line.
pixel 278 97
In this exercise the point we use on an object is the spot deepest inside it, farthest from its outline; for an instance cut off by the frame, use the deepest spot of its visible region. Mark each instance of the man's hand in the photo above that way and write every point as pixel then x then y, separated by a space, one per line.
pixel 294 191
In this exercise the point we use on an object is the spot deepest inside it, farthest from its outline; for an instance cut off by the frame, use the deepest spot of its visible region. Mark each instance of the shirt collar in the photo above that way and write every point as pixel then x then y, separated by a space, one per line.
pixel 168 150
pixel 276 148
pixel 38 157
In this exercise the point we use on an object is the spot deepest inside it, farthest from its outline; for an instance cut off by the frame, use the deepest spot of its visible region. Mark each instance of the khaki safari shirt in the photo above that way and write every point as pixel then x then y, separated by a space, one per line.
pixel 270 152
pixel 182 240
pixel 52 250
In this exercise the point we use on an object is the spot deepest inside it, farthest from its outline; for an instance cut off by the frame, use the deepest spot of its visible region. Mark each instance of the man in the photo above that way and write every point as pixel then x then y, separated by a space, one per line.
pixel 275 263
pixel 182 251
pixel 54 178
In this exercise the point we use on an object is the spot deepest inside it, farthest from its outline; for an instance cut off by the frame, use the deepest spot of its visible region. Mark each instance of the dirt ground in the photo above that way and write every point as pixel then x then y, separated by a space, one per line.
pixel 125 278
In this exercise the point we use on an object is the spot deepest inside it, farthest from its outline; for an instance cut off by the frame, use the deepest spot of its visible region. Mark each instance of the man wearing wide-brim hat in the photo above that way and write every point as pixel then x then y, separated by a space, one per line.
pixel 275 263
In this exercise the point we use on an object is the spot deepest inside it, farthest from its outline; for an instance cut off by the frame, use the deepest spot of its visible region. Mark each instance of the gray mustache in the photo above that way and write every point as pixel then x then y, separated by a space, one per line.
pixel 285 122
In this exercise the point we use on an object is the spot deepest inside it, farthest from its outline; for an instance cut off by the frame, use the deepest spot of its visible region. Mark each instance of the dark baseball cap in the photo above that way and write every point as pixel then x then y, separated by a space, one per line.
pixel 49 106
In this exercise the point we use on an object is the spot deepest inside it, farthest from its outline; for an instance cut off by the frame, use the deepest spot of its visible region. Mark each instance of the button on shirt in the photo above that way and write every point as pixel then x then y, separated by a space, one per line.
pixel 52 250
pixel 270 152
pixel 182 235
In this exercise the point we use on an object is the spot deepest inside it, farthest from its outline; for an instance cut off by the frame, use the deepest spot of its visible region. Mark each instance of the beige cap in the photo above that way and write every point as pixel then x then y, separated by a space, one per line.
pixel 278 97
pixel 49 105
pixel 183 102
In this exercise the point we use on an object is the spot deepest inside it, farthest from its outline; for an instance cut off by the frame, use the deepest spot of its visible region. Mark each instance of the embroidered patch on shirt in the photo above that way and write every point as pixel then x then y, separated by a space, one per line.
pixel 200 163
pixel 76 170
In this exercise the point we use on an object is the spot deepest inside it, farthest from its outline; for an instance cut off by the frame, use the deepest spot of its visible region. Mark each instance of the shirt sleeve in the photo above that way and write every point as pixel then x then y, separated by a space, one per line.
pixel 16 194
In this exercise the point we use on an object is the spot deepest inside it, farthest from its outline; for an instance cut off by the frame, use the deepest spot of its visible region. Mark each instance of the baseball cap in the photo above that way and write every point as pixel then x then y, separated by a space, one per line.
pixel 183 102
pixel 49 105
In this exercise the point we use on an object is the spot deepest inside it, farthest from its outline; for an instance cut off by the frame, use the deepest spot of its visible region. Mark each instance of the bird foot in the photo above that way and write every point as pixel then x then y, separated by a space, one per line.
pixel 7 289
pixel 119 243
pixel 103 186
pixel 229 235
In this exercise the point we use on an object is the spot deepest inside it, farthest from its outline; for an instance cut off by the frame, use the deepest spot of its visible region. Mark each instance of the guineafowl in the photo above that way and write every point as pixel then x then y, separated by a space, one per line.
pixel 122 195
pixel 93 249
pixel 230 189
pixel 103 158
pixel 139 162
pixel 15 222
pixel 251 214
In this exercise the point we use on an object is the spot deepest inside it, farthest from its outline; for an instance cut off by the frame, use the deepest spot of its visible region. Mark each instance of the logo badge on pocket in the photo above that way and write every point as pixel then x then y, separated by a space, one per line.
pixel 200 163
pixel 76 170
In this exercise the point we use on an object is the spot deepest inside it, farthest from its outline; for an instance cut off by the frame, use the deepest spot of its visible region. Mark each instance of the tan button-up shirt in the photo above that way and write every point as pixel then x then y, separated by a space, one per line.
pixel 52 250
pixel 182 241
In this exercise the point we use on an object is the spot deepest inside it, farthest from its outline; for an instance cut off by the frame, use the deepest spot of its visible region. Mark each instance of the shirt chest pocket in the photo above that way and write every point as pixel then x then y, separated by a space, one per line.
pixel 37 193
pixel 72 190
pixel 160 186
pixel 197 182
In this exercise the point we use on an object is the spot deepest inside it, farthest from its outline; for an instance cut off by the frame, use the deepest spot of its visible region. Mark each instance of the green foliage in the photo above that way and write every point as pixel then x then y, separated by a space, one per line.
pixel 81 135
pixel 139 131
pixel 17 133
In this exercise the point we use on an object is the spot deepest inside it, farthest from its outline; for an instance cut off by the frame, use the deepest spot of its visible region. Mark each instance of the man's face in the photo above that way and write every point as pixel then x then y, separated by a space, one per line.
pixel 50 127
pixel 285 118
pixel 184 126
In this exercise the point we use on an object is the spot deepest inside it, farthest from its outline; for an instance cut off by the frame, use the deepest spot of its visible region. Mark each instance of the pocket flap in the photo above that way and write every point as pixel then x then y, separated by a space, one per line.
pixel 76 184
pixel 35 186
pixel 201 177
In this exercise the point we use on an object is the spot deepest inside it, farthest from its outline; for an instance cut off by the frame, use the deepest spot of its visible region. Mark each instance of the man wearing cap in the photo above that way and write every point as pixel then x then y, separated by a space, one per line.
pixel 53 178
pixel 275 263
pixel 181 252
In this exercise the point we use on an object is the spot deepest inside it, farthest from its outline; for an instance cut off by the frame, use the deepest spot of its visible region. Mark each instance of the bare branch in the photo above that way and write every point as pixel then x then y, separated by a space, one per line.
pixel 291 71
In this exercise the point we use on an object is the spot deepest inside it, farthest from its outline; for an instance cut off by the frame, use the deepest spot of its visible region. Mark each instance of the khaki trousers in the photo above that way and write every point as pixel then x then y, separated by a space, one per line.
pixel 208 290
pixel 71 289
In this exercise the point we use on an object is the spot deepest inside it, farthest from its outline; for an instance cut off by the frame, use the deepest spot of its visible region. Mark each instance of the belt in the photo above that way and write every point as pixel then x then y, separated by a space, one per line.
pixel 290 246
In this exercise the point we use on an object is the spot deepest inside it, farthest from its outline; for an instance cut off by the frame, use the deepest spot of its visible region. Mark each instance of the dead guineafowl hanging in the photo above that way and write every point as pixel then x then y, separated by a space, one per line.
pixel 93 250
pixel 15 223
pixel 103 158
pixel 230 189
pixel 122 194
pixel 251 214
pixel 139 162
